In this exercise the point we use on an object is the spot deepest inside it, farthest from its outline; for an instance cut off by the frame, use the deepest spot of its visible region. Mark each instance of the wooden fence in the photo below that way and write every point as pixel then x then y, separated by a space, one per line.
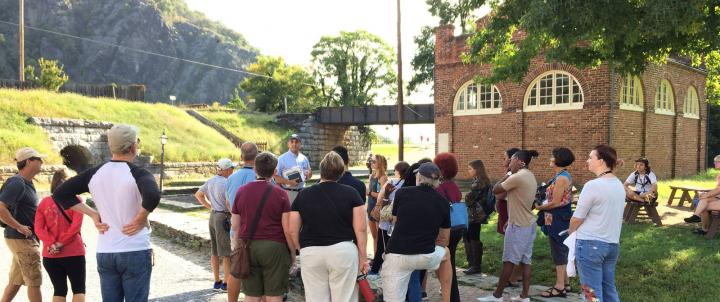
pixel 129 92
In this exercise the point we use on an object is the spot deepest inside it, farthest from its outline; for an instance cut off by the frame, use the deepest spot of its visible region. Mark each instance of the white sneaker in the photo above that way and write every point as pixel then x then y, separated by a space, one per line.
pixel 490 298
pixel 518 299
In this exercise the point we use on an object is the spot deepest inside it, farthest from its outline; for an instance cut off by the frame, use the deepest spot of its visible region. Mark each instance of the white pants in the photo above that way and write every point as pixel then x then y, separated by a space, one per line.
pixel 397 268
pixel 329 273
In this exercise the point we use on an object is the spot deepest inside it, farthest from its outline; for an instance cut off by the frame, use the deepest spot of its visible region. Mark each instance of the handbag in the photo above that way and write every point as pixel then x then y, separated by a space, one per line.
pixel 386 213
pixel 458 215
pixel 240 256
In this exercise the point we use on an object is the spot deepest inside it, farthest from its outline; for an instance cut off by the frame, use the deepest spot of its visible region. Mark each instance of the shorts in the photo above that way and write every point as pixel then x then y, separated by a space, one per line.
pixel 397 269
pixel 371 202
pixel 269 269
pixel 26 268
pixel 219 237
pixel 518 244
pixel 558 250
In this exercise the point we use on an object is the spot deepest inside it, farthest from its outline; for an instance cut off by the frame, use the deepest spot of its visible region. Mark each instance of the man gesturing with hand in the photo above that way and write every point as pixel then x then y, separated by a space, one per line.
pixel 124 195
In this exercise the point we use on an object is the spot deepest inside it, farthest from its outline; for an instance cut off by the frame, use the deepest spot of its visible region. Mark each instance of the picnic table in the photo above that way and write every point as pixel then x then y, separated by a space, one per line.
pixel 685 194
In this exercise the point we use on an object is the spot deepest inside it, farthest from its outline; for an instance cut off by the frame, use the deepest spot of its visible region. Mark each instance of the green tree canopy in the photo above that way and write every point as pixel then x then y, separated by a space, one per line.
pixel 423 63
pixel 52 74
pixel 626 34
pixel 352 68
pixel 283 81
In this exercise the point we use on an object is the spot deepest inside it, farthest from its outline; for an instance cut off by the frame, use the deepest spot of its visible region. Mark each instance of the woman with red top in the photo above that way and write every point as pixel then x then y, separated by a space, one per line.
pixel 449 189
pixel 63 249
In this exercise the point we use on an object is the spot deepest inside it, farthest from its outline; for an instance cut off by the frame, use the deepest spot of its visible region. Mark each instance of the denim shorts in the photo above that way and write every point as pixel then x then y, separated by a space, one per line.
pixel 518 244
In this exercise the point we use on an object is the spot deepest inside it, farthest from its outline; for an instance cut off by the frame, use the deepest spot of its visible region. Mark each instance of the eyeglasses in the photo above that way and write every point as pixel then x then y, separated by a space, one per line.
pixel 36 158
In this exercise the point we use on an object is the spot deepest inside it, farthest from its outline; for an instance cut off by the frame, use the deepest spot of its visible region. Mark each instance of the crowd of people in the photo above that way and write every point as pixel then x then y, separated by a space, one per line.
pixel 416 218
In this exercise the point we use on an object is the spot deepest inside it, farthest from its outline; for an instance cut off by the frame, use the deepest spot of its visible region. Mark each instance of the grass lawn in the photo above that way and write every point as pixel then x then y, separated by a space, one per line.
pixel 413 152
pixel 254 127
pixel 189 140
pixel 656 264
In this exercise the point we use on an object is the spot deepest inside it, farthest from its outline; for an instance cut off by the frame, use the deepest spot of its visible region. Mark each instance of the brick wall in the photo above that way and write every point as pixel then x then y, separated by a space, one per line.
pixel 633 133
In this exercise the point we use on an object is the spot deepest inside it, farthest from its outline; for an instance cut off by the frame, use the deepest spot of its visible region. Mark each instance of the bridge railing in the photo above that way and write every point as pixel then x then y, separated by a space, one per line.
pixel 376 115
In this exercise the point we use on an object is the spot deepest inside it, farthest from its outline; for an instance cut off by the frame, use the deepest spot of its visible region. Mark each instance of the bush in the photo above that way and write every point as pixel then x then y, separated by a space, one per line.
pixel 52 74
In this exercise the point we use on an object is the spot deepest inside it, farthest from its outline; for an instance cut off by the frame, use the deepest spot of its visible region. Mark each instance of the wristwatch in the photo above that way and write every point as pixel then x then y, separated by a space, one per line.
pixel 509 173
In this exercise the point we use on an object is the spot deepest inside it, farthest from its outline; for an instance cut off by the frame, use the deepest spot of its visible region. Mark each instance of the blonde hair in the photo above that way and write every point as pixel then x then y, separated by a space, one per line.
pixel 381 163
pixel 332 166
pixel 121 138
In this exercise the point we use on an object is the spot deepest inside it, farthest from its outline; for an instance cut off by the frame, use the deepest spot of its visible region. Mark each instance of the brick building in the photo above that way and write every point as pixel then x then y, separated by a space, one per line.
pixel 660 114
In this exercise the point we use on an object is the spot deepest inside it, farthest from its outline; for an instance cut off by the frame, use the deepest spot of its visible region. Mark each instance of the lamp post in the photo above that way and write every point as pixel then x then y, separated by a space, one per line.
pixel 163 141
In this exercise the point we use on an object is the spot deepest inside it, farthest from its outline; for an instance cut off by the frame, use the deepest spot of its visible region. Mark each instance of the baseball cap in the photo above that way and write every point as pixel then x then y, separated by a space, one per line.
pixel 26 153
pixel 225 164
pixel 295 136
pixel 428 170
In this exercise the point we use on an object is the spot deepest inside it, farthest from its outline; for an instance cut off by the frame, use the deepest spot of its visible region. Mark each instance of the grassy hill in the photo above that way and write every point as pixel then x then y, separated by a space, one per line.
pixel 253 127
pixel 189 140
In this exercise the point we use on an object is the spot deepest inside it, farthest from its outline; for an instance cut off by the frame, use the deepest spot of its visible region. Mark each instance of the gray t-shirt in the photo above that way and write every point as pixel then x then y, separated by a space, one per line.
pixel 20 197
pixel 601 206
pixel 215 189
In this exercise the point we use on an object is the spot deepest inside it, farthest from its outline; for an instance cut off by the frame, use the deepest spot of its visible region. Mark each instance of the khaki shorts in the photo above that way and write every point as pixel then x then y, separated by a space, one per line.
pixel 26 262
pixel 219 237
pixel 269 269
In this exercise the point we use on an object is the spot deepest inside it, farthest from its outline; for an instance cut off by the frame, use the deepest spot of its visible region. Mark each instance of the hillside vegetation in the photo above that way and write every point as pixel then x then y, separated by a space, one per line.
pixel 253 127
pixel 189 140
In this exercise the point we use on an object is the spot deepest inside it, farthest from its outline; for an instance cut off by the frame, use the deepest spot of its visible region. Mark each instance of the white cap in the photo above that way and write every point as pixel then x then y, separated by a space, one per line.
pixel 225 164
pixel 26 153
pixel 121 138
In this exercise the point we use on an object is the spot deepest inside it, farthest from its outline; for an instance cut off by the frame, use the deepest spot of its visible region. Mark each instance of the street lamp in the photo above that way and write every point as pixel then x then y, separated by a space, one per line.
pixel 163 141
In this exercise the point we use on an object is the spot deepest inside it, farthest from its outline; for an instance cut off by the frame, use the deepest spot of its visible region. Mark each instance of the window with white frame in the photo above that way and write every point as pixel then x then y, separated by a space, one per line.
pixel 691 108
pixel 631 93
pixel 473 98
pixel 664 98
pixel 554 90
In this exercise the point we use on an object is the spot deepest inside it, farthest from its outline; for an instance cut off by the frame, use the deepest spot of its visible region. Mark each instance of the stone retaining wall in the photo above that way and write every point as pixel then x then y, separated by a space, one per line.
pixel 90 135
pixel 319 138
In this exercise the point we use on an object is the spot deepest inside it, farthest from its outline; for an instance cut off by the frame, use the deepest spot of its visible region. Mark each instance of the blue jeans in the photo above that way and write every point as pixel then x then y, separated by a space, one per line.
pixel 125 276
pixel 596 262
pixel 414 293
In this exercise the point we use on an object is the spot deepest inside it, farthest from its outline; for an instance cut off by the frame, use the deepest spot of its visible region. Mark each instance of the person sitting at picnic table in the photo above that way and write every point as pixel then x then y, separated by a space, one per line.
pixel 709 201
pixel 644 181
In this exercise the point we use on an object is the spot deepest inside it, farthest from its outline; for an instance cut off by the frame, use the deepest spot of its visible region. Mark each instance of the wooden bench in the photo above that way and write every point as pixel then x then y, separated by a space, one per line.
pixel 632 211
pixel 685 194
pixel 714 217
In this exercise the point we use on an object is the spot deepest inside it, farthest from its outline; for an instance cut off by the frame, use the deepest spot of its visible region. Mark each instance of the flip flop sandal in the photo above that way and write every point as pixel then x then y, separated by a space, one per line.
pixel 550 294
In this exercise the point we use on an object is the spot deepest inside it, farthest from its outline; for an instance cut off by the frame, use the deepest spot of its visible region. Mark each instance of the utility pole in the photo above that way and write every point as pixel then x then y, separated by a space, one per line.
pixel 401 141
pixel 21 40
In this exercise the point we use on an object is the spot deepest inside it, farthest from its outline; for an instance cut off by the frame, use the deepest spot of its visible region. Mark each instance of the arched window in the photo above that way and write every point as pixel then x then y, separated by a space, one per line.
pixel 473 98
pixel 664 98
pixel 691 107
pixel 554 90
pixel 631 93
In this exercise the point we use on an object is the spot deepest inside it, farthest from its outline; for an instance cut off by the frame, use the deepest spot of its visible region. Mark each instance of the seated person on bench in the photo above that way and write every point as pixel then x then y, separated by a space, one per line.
pixel 709 201
pixel 644 182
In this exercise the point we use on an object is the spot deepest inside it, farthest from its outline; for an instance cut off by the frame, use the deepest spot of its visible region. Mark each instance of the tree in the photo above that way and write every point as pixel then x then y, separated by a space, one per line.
pixel 626 34
pixel 352 68
pixel 423 62
pixel 712 63
pixel 280 82
pixel 52 75
pixel 236 101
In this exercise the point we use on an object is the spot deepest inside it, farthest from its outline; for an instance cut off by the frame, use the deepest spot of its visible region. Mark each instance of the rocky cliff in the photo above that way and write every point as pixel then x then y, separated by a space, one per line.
pixel 160 26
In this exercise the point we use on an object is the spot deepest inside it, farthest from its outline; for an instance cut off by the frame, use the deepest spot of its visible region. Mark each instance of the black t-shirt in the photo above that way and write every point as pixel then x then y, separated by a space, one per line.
pixel 20 197
pixel 358 185
pixel 326 210
pixel 421 212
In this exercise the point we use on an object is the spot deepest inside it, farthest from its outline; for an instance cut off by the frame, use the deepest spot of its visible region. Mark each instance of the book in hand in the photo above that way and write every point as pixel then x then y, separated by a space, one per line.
pixel 294 174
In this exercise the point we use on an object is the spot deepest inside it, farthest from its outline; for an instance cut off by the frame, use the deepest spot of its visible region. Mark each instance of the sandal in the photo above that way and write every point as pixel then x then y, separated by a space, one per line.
pixel 550 294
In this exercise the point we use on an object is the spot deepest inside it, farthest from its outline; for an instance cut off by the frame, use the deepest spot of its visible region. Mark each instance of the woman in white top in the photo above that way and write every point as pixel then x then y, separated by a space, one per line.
pixel 597 221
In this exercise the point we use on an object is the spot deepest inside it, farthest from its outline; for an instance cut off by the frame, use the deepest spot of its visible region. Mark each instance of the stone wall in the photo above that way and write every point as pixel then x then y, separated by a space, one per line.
pixel 180 170
pixel 318 139
pixel 90 135
pixel 44 176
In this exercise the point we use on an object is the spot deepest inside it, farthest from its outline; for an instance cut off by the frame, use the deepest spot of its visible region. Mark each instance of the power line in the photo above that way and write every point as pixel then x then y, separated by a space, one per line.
pixel 140 50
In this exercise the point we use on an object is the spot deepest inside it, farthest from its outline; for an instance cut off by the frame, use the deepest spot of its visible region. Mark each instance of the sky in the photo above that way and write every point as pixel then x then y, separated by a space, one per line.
pixel 290 28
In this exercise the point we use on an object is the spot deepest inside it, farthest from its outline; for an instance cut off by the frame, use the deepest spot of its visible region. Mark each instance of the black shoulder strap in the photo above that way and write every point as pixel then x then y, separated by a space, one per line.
pixel 256 219
pixel 60 208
